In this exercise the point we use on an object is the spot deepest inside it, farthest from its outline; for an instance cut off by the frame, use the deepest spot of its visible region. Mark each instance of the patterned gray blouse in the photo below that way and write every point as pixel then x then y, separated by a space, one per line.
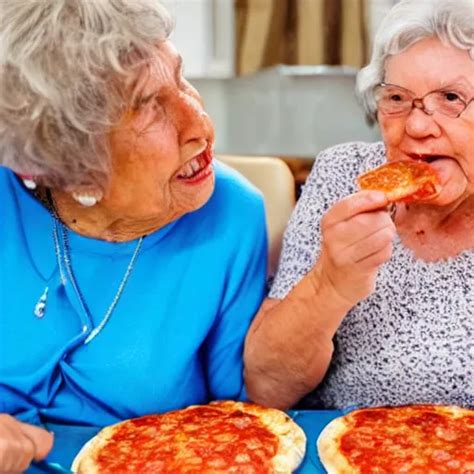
pixel 409 342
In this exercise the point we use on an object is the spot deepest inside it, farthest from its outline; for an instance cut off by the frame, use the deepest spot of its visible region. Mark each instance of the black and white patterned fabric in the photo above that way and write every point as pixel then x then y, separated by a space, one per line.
pixel 412 341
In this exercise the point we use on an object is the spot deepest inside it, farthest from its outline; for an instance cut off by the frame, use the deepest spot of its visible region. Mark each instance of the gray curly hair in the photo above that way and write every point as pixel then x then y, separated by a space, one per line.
pixel 452 21
pixel 64 65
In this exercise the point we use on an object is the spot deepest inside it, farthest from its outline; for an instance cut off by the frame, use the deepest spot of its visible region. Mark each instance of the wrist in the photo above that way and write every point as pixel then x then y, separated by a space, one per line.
pixel 331 303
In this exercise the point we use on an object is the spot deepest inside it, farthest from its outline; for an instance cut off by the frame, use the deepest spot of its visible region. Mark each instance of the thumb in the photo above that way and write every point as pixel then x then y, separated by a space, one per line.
pixel 41 439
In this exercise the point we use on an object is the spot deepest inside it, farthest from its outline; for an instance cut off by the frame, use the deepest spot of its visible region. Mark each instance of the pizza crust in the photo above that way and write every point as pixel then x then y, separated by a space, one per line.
pixel 291 437
pixel 328 448
pixel 84 460
pixel 451 410
pixel 402 192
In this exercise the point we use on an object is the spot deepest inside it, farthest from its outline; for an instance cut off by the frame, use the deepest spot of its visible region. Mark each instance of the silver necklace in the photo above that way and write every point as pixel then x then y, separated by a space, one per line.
pixel 67 274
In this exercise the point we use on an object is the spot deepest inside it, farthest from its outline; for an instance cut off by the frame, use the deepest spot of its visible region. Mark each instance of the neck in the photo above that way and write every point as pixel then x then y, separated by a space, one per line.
pixel 437 217
pixel 102 221
pixel 435 233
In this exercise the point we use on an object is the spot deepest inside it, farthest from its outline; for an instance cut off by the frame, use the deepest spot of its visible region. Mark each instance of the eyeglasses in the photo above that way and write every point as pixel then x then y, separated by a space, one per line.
pixel 396 100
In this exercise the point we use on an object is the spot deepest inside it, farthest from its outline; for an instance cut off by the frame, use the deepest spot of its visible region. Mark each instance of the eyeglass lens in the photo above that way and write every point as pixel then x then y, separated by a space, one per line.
pixel 395 100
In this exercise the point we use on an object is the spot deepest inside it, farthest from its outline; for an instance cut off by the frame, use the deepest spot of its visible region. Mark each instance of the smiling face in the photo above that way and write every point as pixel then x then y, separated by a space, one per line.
pixel 427 66
pixel 162 149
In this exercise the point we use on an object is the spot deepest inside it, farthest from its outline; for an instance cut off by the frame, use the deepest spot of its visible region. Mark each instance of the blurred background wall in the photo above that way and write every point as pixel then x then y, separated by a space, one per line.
pixel 277 76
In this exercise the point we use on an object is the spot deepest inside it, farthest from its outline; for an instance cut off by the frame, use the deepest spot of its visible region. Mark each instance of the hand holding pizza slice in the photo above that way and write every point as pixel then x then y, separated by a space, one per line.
pixel 405 181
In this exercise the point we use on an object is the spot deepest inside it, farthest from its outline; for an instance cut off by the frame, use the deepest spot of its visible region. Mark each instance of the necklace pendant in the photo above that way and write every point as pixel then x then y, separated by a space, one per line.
pixel 40 306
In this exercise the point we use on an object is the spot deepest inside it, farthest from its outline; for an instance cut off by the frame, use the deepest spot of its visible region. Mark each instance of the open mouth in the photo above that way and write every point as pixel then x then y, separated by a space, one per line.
pixel 196 168
pixel 426 157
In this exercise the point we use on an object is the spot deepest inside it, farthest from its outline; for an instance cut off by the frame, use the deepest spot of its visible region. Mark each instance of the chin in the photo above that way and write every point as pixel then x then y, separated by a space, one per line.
pixel 205 195
pixel 201 196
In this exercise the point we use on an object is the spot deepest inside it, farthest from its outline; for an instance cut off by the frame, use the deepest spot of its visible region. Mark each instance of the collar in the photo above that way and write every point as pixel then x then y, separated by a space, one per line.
pixel 37 226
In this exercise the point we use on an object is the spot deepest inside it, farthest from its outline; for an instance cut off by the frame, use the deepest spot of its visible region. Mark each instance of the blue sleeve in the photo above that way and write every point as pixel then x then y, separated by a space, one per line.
pixel 243 296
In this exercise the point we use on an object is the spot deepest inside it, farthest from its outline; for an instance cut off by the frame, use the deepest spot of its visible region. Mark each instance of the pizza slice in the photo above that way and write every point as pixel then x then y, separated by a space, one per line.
pixel 222 437
pixel 416 439
pixel 406 181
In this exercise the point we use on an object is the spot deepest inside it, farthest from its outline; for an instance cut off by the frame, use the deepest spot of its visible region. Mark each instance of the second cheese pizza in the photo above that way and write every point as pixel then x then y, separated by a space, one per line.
pixel 414 439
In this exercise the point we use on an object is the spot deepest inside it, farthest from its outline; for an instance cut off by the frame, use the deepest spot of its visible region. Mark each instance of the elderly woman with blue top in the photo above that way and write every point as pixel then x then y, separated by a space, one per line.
pixel 371 307
pixel 131 262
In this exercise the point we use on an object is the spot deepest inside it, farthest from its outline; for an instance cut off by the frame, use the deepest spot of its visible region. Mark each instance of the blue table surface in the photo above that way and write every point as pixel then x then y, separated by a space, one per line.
pixel 69 439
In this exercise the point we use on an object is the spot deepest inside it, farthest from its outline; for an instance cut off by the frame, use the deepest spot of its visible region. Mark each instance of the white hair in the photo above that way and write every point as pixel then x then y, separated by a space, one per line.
pixel 64 65
pixel 452 21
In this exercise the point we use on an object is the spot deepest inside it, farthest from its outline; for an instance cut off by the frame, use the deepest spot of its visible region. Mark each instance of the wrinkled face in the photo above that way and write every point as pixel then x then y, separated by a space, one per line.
pixel 161 150
pixel 426 66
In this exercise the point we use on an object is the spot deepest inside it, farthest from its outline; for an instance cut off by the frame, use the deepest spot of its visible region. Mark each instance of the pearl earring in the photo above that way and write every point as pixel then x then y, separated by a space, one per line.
pixel 28 181
pixel 87 196
pixel 85 199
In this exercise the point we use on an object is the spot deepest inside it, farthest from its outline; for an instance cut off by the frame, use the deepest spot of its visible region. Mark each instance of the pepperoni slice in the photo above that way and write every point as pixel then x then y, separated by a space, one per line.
pixel 405 181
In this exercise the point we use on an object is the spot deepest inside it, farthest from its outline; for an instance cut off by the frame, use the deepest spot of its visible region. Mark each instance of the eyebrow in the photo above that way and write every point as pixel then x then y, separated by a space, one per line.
pixel 143 100
pixel 458 81
pixel 177 77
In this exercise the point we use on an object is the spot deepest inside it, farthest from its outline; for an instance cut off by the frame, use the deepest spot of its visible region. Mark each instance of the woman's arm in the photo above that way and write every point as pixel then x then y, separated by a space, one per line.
pixel 289 345
pixel 242 294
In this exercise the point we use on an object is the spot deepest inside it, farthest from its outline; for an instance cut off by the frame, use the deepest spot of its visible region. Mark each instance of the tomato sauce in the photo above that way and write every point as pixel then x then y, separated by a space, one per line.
pixel 196 440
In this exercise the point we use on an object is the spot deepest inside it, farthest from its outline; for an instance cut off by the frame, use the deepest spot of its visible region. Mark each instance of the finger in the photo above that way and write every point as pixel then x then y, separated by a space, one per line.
pixel 373 244
pixel 23 458
pixel 41 439
pixel 364 225
pixel 378 258
pixel 357 230
pixel 362 201
pixel 16 450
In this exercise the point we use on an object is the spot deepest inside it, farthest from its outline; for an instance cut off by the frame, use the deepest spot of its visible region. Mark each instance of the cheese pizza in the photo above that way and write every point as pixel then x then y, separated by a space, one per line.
pixel 222 437
pixel 416 439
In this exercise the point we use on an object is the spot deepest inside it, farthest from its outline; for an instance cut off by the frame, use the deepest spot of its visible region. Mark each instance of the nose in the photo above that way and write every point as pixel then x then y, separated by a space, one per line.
pixel 420 125
pixel 194 123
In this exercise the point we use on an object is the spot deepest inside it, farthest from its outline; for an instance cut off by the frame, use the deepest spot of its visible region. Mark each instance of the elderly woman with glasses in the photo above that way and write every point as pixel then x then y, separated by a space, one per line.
pixel 131 263
pixel 371 307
